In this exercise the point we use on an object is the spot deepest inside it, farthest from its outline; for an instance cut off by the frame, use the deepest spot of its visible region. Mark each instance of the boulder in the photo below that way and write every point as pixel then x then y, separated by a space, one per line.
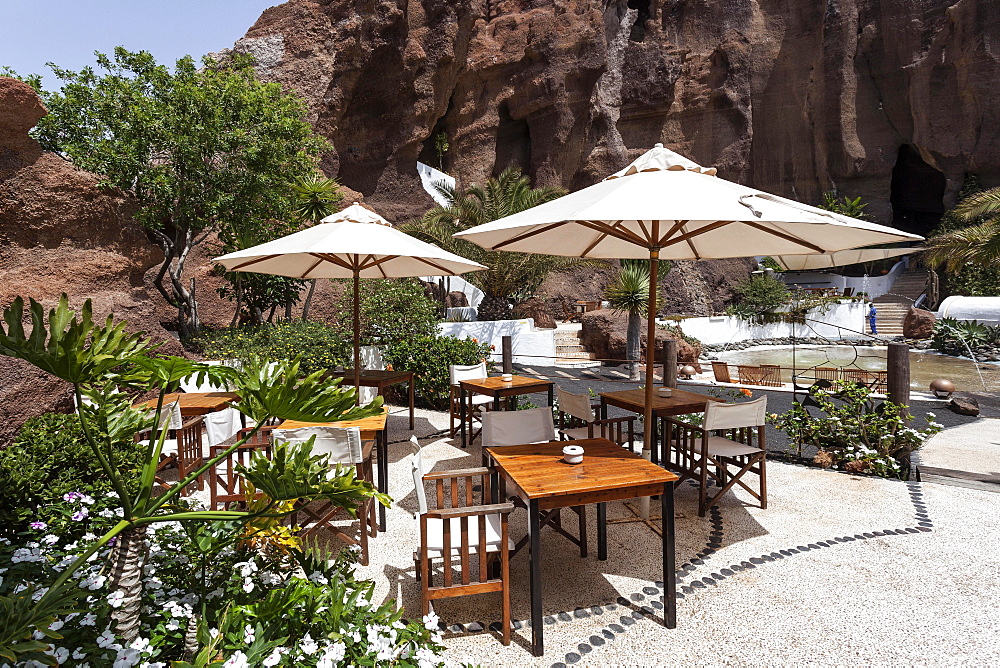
pixel 604 334
pixel 456 299
pixel 537 309
pixel 918 324
pixel 964 406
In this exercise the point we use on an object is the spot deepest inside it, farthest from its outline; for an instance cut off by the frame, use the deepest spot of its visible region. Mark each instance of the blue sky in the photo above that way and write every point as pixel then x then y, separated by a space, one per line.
pixel 67 32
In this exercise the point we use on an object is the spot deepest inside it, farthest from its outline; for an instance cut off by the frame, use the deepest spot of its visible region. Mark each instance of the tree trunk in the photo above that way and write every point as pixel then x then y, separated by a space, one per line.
pixel 632 341
pixel 126 576
pixel 309 298
pixel 494 308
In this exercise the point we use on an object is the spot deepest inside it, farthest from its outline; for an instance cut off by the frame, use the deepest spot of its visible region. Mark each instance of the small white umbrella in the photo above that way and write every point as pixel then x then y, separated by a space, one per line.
pixel 840 258
pixel 354 243
pixel 667 207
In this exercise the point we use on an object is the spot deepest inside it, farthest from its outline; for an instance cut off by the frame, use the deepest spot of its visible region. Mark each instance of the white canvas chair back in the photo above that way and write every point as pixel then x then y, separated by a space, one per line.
pixel 577 405
pixel 417 469
pixel 170 416
pixel 343 445
pixel 459 372
pixel 222 425
pixel 190 384
pixel 371 358
pixel 728 416
pixel 534 425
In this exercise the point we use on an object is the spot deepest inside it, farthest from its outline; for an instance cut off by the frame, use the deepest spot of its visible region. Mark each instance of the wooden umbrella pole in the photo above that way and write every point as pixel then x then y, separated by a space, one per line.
pixel 647 411
pixel 357 337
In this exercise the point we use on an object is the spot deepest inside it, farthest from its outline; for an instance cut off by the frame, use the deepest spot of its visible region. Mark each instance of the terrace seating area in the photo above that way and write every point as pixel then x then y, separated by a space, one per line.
pixel 773 375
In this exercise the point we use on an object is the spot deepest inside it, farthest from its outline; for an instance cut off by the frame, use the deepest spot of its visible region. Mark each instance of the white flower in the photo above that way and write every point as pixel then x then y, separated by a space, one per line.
pixel 332 655
pixel 116 598
pixel 127 658
pixel 237 660
pixel 273 659
pixel 248 634
pixel 106 639
pixel 307 645
pixel 248 585
pixel 431 621
pixel 78 653
pixel 426 658
pixel 140 645
pixel 318 578
pixel 50 539
pixel 56 625
pixel 89 619
pixel 61 654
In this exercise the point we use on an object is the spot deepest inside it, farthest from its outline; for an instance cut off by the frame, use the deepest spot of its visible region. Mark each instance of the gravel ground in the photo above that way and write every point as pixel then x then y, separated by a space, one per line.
pixel 839 569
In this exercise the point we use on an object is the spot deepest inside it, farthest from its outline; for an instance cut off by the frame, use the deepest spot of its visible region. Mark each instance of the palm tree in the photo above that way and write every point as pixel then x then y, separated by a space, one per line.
pixel 510 275
pixel 315 199
pixel 629 293
pixel 977 244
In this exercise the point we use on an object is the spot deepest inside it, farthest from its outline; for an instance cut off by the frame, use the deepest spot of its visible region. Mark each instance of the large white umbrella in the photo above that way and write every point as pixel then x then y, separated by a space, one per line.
pixel 354 243
pixel 840 258
pixel 665 206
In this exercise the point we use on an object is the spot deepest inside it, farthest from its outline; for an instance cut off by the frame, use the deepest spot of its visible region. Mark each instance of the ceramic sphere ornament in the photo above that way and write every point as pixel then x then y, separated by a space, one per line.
pixel 942 388
pixel 687 371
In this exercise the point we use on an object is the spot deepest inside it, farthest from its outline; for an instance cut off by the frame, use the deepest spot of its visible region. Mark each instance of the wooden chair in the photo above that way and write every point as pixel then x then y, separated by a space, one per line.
pixel 830 373
pixel 183 447
pixel 225 485
pixel 697 453
pixel 477 404
pixel 577 420
pixel 721 371
pixel 458 532
pixel 767 375
pixel 344 447
pixel 570 315
pixel 534 425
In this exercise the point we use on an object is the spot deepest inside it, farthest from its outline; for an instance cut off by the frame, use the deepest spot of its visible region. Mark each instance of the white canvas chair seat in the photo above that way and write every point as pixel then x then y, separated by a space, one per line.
pixel 343 445
pixel 480 402
pixel 169 447
pixel 435 536
pixel 534 425
pixel 576 433
pixel 222 425
pixel 724 447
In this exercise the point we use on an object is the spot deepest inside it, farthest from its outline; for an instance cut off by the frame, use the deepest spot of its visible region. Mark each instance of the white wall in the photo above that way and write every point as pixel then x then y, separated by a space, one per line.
pixel 530 345
pixel 839 321
pixel 875 286
pixel 982 309
pixel 429 176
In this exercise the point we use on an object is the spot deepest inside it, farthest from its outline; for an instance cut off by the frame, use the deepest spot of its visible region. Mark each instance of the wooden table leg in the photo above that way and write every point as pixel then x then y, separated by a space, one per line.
pixel 461 413
pixel 552 395
pixel 602 531
pixel 382 443
pixel 410 384
pixel 604 409
pixel 535 579
pixel 669 570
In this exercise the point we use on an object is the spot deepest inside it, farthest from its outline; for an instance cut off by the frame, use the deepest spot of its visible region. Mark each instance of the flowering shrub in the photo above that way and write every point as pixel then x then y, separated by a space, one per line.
pixel 318 346
pixel 428 357
pixel 852 432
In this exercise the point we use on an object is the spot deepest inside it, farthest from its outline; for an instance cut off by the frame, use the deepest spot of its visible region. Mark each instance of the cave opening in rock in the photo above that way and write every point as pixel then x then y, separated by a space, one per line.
pixel 428 150
pixel 638 32
pixel 916 193
pixel 513 143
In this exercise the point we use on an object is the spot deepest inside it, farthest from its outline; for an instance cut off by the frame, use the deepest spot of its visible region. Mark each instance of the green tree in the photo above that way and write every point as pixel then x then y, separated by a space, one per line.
pixel 758 297
pixel 315 199
pixel 510 276
pixel 629 293
pixel 441 147
pixel 967 242
pixel 846 206
pixel 201 148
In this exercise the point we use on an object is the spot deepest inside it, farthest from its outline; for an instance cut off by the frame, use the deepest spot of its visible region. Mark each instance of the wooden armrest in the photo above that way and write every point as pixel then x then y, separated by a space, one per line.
pixel 629 418
pixel 470 511
pixel 684 425
pixel 458 473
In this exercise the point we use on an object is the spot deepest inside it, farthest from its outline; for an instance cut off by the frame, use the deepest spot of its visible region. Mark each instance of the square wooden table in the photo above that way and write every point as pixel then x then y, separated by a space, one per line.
pixel 538 475
pixel 680 402
pixel 499 389
pixel 371 428
pixel 379 380
pixel 195 403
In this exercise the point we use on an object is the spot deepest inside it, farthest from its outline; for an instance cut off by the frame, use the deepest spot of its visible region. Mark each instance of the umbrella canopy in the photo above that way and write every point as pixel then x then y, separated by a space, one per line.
pixel 840 258
pixel 354 243
pixel 665 206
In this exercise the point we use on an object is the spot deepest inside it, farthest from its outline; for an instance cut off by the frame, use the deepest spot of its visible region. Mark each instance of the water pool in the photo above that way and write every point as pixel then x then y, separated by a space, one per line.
pixel 924 367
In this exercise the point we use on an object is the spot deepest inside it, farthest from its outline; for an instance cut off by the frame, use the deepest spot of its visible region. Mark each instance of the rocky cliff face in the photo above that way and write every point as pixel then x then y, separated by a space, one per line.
pixel 61 232
pixel 893 100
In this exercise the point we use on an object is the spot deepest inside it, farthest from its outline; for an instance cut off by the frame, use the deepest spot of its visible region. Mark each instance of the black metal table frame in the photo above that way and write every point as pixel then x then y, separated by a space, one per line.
pixel 403 377
pixel 498 396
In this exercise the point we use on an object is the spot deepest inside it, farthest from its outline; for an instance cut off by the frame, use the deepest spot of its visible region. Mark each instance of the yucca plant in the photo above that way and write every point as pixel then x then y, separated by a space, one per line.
pixel 314 199
pixel 108 366
pixel 629 293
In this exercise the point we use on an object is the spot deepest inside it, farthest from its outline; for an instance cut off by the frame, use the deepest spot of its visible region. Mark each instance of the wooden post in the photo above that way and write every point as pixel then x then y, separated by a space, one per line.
pixel 670 363
pixel 507 347
pixel 898 367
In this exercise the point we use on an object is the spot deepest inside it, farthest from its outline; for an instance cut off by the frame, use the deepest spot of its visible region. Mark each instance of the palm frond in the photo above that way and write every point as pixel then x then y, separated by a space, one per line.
pixel 985 203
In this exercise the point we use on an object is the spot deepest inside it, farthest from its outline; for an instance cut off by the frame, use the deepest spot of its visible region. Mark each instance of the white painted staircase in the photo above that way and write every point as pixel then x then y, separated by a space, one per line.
pixel 893 306
pixel 570 353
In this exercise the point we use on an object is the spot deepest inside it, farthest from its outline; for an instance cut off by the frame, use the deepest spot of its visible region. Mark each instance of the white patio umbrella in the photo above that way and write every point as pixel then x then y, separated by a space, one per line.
pixel 840 258
pixel 664 206
pixel 354 243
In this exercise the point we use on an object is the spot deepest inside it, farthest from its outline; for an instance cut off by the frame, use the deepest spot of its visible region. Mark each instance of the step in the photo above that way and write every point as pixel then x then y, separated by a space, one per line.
pixel 577 364
pixel 572 337
pixel 575 355
pixel 560 348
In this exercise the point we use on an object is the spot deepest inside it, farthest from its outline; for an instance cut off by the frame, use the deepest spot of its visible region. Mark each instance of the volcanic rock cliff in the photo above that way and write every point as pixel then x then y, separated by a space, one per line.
pixel 892 100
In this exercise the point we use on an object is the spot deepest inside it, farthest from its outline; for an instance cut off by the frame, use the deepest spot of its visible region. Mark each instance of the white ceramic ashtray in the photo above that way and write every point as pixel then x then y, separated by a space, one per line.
pixel 339 369
pixel 664 391
pixel 573 454
pixel 507 377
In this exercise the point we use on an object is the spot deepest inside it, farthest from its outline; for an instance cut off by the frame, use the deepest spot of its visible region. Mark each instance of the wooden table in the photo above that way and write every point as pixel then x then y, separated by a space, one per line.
pixel 371 428
pixel 537 474
pixel 379 380
pixel 195 403
pixel 680 402
pixel 499 389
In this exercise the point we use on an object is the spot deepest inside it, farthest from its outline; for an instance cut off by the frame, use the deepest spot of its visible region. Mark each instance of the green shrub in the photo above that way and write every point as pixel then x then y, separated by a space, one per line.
pixel 758 295
pixel 956 337
pixel 428 357
pixel 391 311
pixel 319 346
pixel 50 458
